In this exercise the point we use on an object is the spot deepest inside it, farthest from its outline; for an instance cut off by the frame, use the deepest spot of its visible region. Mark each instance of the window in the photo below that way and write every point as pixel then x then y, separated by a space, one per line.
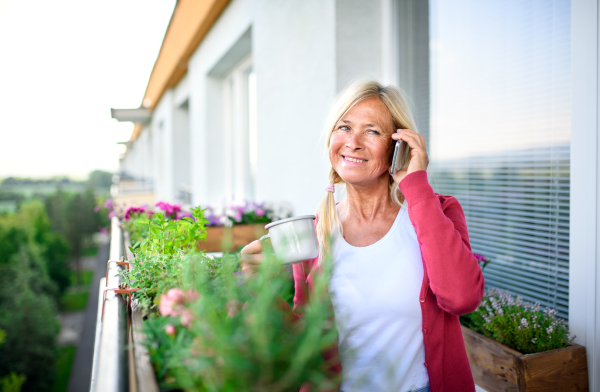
pixel 239 103
pixel 499 134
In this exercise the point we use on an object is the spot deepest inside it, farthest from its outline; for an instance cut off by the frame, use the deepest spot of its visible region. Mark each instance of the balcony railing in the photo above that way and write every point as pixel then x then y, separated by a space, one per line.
pixel 120 362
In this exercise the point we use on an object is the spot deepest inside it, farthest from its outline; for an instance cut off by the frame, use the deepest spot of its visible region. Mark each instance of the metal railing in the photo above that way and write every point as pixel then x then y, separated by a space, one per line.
pixel 111 366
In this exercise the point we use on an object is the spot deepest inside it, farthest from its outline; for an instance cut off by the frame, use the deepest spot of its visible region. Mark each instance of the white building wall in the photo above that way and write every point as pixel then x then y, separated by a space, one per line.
pixel 300 63
pixel 181 148
pixel 206 122
pixel 295 65
pixel 162 137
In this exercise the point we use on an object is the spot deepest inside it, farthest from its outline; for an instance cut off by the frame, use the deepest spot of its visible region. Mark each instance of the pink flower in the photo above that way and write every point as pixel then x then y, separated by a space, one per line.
pixel 170 210
pixel 186 317
pixel 191 295
pixel 112 214
pixel 103 230
pixel 259 212
pixel 108 204
pixel 133 210
pixel 176 295
pixel 170 329
pixel 97 208
pixel 166 306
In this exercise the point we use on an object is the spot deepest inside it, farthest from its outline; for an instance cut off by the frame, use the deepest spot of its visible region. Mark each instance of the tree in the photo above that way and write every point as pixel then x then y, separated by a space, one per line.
pixel 99 179
pixel 27 298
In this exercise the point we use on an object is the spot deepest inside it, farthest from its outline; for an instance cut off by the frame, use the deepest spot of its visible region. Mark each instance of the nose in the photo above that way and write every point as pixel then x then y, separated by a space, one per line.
pixel 354 142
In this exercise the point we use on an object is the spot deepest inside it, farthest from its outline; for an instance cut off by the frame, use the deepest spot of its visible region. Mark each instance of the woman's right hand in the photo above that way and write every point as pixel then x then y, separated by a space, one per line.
pixel 252 258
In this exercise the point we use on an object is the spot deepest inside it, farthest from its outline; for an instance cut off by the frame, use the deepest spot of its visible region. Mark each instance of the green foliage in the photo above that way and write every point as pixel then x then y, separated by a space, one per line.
pixel 12 383
pixel 212 334
pixel 64 363
pixel 517 324
pixel 86 277
pixel 28 314
pixel 28 294
pixel 91 251
pixel 158 256
pixel 73 217
pixel 99 179
pixel 73 302
pixel 236 341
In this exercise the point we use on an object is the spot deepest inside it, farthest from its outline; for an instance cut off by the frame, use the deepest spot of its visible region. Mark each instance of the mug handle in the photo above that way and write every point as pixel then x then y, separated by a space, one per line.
pixel 264 237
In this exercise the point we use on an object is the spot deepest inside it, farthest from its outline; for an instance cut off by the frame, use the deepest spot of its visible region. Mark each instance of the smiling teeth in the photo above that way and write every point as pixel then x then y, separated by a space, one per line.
pixel 354 160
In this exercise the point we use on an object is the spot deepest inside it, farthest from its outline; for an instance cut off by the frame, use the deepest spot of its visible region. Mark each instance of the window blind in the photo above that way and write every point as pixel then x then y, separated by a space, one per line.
pixel 499 136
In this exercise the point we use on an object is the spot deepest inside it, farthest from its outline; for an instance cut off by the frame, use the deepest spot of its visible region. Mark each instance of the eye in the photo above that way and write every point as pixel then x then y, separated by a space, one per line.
pixel 373 132
pixel 344 128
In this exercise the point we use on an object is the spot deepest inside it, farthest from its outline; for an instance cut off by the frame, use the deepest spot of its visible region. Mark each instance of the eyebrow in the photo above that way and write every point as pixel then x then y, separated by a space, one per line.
pixel 368 125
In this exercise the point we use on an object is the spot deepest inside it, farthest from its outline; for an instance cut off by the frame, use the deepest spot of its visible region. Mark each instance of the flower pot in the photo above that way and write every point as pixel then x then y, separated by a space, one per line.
pixel 496 367
pixel 229 239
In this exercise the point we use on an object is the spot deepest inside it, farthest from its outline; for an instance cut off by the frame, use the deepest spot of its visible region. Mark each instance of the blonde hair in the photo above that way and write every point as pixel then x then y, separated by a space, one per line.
pixel 395 101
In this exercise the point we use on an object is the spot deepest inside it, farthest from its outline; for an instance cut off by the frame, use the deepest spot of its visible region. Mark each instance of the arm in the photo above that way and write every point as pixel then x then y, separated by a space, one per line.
pixel 454 274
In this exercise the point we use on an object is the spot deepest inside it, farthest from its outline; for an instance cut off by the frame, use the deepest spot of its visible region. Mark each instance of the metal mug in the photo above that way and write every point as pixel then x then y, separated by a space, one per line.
pixel 293 239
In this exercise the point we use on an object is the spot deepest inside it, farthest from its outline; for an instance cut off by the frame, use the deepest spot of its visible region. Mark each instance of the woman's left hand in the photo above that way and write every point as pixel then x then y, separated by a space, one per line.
pixel 418 152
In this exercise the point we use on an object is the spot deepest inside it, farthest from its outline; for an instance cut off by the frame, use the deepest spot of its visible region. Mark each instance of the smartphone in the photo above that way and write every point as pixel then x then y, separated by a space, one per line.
pixel 400 151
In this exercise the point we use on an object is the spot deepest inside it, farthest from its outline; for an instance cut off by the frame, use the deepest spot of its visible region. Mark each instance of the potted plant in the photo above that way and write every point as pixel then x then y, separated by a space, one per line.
pixel 234 225
pixel 513 345
pixel 208 330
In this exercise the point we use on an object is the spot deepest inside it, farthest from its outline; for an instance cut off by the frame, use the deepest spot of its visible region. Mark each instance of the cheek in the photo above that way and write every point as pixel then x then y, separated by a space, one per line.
pixel 382 152
pixel 335 143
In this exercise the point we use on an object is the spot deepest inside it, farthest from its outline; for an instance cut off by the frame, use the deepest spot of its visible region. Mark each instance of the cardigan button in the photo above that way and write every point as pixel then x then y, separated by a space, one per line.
pixel 424 330
pixel 422 299
pixel 425 363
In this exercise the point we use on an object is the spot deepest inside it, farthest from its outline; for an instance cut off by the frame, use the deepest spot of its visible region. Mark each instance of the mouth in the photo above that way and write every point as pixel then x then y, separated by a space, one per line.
pixel 355 160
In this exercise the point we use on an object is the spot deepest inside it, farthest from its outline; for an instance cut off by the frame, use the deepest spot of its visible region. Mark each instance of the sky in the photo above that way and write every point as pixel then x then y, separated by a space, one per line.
pixel 63 65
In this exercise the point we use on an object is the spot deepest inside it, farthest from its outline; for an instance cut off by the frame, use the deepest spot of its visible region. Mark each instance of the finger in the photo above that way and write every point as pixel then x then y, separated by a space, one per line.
pixel 410 139
pixel 252 248
pixel 417 137
pixel 253 259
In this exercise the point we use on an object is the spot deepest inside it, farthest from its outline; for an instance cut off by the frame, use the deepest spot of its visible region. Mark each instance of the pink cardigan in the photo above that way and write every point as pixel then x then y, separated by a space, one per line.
pixel 452 283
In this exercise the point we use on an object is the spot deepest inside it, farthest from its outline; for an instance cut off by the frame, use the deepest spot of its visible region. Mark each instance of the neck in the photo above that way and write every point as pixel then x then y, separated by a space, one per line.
pixel 367 202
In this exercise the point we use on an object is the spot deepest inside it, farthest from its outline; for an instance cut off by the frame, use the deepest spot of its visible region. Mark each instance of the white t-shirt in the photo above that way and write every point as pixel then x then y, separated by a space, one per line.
pixel 375 295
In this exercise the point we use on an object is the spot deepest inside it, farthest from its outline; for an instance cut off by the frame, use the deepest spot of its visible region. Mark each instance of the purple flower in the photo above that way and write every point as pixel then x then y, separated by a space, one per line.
pixel 134 210
pixel 183 214
pixel 213 220
pixel 524 323
pixel 480 258
pixel 108 204
pixel 170 210
pixel 97 208
pixel 112 214
pixel 259 212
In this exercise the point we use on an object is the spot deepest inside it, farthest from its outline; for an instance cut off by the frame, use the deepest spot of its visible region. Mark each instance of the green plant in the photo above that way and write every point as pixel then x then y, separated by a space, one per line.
pixel 211 334
pixel 158 255
pixel 517 324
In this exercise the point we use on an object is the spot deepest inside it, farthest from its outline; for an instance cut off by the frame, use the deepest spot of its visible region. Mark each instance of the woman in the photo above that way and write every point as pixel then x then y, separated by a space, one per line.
pixel 403 266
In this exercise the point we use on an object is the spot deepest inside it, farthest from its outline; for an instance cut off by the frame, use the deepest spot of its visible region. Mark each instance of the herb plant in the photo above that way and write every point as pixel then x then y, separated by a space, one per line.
pixel 206 332
pixel 518 324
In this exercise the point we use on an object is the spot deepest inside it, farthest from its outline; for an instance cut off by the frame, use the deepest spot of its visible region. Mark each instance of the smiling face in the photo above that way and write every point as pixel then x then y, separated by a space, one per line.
pixel 360 145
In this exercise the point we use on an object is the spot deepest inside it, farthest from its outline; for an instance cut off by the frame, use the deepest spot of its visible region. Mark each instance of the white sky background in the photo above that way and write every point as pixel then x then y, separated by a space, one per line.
pixel 63 65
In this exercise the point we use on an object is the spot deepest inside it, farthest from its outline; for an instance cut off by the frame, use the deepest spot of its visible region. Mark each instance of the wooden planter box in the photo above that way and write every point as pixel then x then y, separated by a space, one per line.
pixel 496 367
pixel 229 239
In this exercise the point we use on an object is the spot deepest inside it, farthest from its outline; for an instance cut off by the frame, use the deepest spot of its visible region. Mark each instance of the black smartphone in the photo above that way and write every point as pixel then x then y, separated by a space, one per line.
pixel 400 151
